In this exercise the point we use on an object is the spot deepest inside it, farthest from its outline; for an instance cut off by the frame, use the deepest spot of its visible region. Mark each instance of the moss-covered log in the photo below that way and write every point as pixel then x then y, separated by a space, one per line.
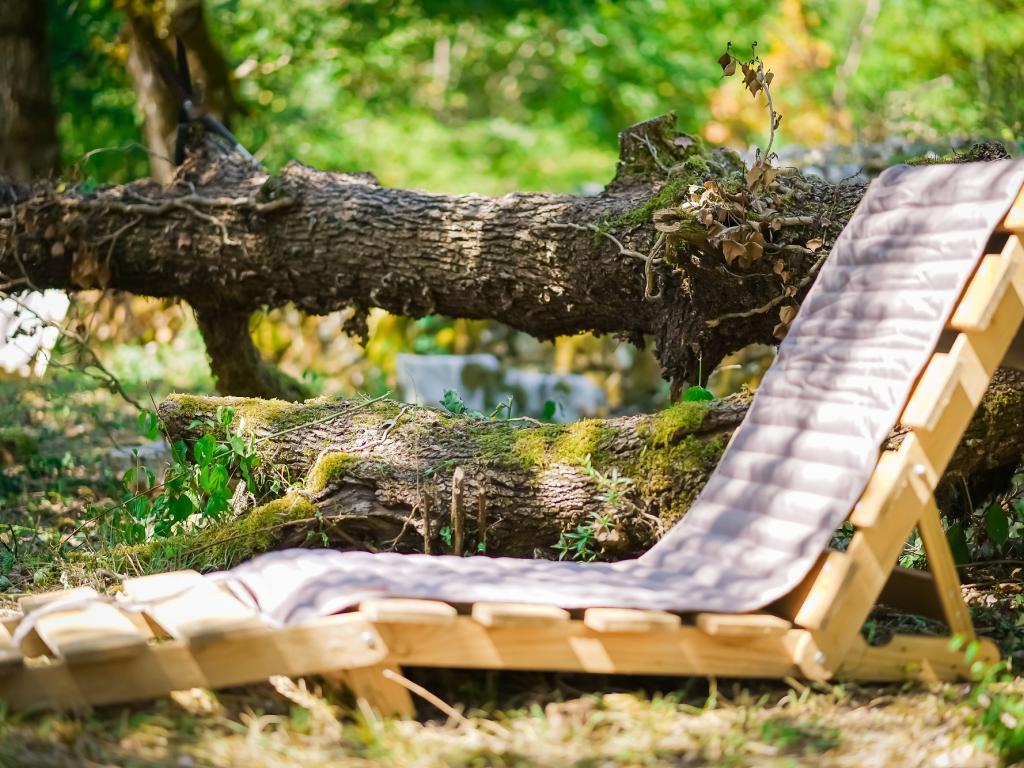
pixel 381 475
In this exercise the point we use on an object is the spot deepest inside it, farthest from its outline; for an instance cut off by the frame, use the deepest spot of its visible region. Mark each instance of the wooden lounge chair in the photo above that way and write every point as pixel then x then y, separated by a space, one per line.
pixel 745 586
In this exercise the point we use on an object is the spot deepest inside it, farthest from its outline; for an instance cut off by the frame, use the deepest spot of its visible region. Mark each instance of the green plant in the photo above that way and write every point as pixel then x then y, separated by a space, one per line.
pixel 453 403
pixel 197 485
pixel 582 542
pixel 997 710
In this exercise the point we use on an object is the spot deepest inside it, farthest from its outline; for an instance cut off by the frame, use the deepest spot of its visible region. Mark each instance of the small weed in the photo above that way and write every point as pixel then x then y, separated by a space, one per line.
pixel 997 716
pixel 583 542
pixel 792 736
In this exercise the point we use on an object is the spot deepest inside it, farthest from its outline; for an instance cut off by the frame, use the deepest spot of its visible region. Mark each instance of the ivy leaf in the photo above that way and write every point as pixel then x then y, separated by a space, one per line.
pixel 997 526
pixel 453 403
pixel 204 449
pixel 149 425
pixel 957 538
pixel 697 394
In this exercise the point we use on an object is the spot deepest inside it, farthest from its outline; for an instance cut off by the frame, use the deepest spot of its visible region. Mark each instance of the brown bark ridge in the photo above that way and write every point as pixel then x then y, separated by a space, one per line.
pixel 29 148
pixel 383 475
pixel 675 248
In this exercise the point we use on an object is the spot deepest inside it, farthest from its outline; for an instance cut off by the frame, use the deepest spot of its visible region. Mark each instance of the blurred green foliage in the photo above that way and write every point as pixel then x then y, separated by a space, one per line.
pixel 467 95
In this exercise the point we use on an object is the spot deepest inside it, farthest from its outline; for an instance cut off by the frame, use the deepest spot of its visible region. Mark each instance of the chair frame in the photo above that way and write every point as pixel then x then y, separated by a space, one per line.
pixel 194 633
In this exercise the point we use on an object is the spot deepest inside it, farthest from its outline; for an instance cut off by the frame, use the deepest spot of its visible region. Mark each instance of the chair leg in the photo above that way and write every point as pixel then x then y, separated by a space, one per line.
pixel 371 689
pixel 943 568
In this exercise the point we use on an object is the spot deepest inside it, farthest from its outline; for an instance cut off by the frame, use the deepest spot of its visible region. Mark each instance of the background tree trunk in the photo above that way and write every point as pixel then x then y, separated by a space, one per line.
pixel 151 59
pixel 29 149
pixel 380 475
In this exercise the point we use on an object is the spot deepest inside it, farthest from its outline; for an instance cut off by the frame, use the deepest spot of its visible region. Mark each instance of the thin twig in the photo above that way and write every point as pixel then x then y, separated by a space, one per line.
pixel 423 693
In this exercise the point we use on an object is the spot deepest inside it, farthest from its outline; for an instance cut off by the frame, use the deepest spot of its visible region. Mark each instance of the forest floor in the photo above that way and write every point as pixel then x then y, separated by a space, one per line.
pixel 57 471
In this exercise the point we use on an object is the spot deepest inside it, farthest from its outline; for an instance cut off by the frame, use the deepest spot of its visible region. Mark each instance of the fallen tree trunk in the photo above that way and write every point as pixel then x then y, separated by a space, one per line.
pixel 679 247
pixel 387 476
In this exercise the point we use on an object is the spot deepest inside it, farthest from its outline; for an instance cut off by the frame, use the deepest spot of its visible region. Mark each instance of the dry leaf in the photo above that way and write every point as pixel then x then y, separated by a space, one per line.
pixel 779 267
pixel 814 244
pixel 88 272
pixel 754 174
pixel 733 250
pixel 728 64
pixel 787 313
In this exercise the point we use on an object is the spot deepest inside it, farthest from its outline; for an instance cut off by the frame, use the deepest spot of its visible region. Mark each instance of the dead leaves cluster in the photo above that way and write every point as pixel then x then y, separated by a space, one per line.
pixel 756 80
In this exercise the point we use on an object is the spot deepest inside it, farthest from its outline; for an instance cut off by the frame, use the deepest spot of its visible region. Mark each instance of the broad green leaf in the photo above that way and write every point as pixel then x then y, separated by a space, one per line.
pixel 204 449
pixel 697 394
pixel 997 525
pixel 957 538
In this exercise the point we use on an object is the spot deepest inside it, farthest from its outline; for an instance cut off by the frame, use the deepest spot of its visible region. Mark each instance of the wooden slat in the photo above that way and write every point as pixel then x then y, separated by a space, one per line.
pixel 974 377
pixel 933 392
pixel 86 632
pixel 247 656
pixel 912 657
pixel 1014 220
pixel 943 569
pixel 873 553
pixel 982 297
pixel 571 646
pixel 992 344
pixel 188 607
pixel 891 473
pixel 517 614
pixel 29 603
pixel 630 620
pixel 407 611
pixel 741 624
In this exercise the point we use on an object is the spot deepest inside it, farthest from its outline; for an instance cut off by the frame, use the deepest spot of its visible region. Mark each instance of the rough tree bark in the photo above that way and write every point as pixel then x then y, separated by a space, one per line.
pixel 676 247
pixel 29 148
pixel 380 476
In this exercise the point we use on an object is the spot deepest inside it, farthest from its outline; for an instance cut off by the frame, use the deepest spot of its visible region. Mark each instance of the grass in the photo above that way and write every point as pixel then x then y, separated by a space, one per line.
pixel 55 472
pixel 309 723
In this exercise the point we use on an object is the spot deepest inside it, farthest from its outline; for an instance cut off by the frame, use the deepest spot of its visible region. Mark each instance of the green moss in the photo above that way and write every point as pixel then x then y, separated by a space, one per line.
pixel 674 462
pixel 16 445
pixel 696 166
pixel 515 447
pixel 670 191
pixel 673 474
pixel 329 467
pixel 533 447
pixel 581 438
pixel 681 417
pixel 220 545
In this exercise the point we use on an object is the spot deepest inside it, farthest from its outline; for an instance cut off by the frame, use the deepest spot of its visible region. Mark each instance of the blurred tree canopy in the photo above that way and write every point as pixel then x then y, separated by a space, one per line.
pixel 468 95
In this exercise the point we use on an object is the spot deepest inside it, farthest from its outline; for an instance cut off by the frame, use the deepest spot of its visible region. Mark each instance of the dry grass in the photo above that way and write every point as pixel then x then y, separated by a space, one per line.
pixel 761 726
